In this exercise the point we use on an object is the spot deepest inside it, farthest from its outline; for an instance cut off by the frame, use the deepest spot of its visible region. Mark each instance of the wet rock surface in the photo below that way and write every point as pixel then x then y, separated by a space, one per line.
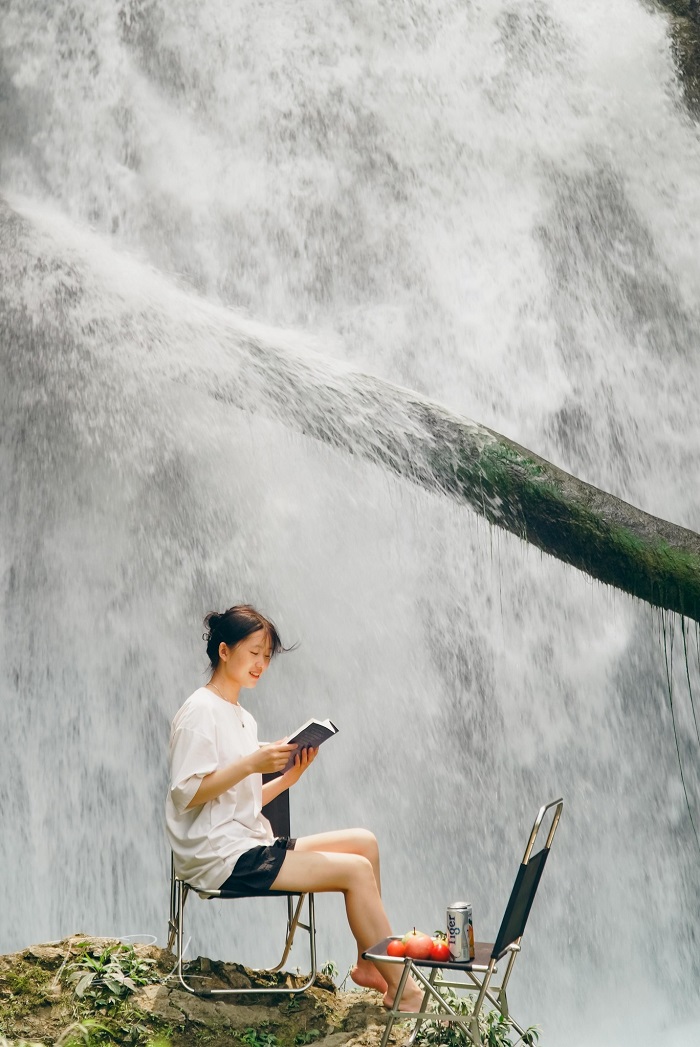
pixel 685 40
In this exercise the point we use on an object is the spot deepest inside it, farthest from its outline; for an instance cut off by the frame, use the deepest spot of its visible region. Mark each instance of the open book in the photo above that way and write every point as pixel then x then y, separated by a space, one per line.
pixel 309 736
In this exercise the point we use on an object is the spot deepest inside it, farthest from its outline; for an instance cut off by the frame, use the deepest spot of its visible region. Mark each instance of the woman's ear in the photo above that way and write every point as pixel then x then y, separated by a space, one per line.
pixel 223 651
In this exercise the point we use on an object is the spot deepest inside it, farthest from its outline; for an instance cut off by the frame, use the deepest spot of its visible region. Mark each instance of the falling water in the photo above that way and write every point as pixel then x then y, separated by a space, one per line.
pixel 494 204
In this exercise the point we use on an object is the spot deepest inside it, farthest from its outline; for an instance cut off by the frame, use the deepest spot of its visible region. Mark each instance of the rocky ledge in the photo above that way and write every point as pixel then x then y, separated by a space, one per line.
pixel 89 991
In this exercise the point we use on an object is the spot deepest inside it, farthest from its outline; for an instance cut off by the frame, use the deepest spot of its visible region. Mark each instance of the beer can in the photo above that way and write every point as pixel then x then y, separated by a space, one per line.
pixel 460 932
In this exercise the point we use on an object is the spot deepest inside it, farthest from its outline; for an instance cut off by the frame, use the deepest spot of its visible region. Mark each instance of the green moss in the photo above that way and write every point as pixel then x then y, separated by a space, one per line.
pixel 497 455
pixel 527 497
pixel 29 980
pixel 23 989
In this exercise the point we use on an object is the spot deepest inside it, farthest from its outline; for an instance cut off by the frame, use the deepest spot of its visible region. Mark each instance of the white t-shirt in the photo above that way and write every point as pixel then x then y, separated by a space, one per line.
pixel 207 841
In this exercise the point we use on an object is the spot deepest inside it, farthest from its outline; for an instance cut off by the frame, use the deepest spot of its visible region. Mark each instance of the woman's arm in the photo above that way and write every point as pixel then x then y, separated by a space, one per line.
pixel 267 759
pixel 302 761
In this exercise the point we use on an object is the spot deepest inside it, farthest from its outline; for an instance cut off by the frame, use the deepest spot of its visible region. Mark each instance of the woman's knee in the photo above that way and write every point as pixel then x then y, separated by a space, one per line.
pixel 360 869
pixel 366 843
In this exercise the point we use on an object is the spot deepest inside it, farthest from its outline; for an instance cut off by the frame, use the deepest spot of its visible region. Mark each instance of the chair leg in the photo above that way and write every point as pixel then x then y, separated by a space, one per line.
pixel 292 926
pixel 498 998
pixel 502 997
pixel 443 1005
pixel 483 994
pixel 394 1012
pixel 172 919
pixel 181 899
pixel 474 1031
pixel 312 933
pixel 412 1038
pixel 464 1022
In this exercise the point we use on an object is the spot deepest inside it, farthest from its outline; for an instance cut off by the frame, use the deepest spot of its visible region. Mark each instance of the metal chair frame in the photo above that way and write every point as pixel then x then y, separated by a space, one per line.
pixel 278 813
pixel 479 971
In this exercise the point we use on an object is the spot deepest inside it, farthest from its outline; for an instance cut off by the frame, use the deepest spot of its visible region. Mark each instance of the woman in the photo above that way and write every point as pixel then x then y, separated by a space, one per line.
pixel 218 835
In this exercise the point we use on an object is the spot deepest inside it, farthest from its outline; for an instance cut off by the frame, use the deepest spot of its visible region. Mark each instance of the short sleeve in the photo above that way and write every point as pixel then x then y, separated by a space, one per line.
pixel 192 756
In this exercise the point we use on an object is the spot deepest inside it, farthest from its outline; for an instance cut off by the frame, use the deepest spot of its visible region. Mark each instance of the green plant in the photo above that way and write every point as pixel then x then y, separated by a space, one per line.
pixel 107 977
pixel 302 1038
pixel 258 1038
pixel 330 969
pixel 83 1034
pixel 494 1029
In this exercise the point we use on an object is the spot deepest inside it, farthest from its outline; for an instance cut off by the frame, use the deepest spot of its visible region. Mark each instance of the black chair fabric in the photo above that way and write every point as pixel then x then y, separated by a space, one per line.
pixel 519 903
pixel 277 811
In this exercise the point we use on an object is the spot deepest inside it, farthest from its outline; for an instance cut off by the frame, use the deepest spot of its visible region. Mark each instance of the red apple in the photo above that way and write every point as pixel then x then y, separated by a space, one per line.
pixel 418 945
pixel 396 948
pixel 440 950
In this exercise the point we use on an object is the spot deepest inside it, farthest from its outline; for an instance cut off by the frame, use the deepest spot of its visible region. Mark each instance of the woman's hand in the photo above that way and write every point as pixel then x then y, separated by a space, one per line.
pixel 271 758
pixel 275 786
pixel 302 762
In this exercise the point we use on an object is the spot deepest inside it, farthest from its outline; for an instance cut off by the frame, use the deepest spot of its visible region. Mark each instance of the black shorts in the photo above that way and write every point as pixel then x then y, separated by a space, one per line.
pixel 257 869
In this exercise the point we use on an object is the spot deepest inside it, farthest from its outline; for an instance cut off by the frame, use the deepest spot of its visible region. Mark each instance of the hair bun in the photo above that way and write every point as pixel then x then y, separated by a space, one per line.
pixel 212 621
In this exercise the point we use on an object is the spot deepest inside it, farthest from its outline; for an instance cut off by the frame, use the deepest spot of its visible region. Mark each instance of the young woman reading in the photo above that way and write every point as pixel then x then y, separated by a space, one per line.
pixel 220 838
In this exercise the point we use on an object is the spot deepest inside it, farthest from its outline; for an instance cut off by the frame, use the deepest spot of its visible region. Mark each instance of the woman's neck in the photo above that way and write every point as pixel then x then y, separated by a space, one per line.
pixel 225 688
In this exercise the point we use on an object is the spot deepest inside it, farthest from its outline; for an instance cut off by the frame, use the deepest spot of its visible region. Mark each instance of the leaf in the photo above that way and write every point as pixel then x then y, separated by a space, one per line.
pixel 115 972
pixel 115 985
pixel 84 983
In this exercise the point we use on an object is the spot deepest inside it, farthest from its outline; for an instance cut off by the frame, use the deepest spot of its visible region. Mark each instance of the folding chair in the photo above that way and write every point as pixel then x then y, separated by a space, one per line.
pixel 277 811
pixel 479 971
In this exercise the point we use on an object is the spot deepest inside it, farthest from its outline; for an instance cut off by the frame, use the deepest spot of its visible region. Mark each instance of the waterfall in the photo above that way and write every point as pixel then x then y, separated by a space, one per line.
pixel 493 204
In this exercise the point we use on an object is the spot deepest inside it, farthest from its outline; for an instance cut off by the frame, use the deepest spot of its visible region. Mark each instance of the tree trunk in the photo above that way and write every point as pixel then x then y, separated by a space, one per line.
pixel 605 537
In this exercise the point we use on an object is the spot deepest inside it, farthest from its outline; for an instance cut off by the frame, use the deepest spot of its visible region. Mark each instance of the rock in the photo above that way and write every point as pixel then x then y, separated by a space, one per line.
pixel 372 1035
pixel 218 1014
pixel 38 1004
pixel 47 956
pixel 156 1000
pixel 685 48
pixel 334 1039
pixel 364 1009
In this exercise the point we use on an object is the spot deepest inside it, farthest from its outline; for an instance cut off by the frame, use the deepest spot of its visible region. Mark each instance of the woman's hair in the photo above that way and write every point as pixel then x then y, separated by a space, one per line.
pixel 232 626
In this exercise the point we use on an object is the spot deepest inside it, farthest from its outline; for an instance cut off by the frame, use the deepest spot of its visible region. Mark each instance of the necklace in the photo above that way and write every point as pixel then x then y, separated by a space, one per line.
pixel 239 711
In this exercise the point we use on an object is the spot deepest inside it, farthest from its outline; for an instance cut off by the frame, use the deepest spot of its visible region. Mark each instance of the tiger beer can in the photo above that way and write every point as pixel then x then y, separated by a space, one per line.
pixel 460 932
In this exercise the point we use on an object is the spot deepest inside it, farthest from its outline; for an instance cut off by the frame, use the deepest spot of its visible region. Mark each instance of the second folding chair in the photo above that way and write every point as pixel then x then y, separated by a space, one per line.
pixel 476 975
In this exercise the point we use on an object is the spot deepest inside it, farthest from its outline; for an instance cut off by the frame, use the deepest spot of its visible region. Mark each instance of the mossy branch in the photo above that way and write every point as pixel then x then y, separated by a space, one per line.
pixel 511 486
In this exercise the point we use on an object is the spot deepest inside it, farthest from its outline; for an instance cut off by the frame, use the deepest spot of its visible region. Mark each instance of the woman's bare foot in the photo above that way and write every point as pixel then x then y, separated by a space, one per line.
pixel 411 998
pixel 364 973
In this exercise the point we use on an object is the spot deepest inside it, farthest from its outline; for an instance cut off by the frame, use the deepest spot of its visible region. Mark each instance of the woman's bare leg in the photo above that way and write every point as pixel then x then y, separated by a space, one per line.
pixel 354 875
pixel 364 843
pixel 345 841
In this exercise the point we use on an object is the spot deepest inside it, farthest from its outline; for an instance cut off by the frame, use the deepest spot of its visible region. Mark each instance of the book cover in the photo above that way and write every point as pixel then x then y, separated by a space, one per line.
pixel 309 736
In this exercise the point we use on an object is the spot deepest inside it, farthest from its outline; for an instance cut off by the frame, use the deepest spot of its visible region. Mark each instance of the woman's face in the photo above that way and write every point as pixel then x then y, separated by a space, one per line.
pixel 245 663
